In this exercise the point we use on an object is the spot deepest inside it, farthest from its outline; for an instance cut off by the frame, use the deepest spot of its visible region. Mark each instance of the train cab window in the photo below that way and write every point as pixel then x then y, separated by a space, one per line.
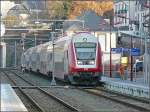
pixel 85 51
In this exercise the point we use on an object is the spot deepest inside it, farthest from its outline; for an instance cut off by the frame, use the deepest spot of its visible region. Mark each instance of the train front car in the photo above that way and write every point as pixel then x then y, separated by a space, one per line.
pixel 85 65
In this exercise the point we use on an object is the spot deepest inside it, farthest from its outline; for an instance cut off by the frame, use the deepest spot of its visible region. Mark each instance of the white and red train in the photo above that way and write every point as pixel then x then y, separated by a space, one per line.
pixel 76 59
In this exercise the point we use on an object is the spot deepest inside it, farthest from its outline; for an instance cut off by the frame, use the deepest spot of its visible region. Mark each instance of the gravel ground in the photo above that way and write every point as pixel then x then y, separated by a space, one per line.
pixel 18 80
pixel 88 102
pixel 81 100
pixel 35 78
pixel 46 102
pixel 26 102
pixel 122 98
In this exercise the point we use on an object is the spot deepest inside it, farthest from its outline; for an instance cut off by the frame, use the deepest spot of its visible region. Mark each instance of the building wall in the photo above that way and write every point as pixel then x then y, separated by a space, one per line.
pixel 104 39
pixel 140 13
pixel 122 8
pixel 137 13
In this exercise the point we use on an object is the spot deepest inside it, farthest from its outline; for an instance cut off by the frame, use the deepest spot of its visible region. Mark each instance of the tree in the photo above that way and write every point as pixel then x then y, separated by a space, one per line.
pixel 59 9
pixel 70 9
pixel 98 7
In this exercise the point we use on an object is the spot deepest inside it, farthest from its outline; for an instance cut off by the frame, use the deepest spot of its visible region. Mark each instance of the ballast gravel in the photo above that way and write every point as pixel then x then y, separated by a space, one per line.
pixel 88 102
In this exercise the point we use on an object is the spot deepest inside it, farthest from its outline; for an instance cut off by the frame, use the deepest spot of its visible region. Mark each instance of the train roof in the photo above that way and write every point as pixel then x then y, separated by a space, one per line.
pixel 48 45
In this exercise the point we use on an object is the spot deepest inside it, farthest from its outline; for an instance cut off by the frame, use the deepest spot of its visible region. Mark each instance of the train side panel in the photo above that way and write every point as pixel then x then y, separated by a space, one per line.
pixel 60 61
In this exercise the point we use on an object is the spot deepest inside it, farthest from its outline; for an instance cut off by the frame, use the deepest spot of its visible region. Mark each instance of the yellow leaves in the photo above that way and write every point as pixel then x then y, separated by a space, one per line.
pixel 75 8
pixel 98 7
pixel 10 20
pixel 55 8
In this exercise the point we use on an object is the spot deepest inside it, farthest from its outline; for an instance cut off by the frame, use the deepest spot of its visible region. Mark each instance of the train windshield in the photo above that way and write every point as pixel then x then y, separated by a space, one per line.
pixel 85 51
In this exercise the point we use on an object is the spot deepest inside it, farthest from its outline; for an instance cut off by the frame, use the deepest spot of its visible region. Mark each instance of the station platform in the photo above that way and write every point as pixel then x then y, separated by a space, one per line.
pixel 10 102
pixel 135 88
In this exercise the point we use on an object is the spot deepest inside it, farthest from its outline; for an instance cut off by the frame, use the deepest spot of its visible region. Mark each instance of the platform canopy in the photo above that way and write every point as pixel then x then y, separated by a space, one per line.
pixel 136 34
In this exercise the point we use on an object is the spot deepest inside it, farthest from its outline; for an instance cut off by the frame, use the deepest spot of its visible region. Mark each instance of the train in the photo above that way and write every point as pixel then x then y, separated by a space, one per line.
pixel 76 59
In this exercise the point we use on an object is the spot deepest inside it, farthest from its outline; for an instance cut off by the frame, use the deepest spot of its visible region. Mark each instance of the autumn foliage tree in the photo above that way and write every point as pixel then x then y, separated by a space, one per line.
pixel 98 7
pixel 71 9
pixel 10 20
pixel 59 9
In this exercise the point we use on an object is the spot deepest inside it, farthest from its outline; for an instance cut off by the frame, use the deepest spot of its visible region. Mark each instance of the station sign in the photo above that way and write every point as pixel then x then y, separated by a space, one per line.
pixel 132 51
pixel 116 50
pixel 135 52
pixel 120 50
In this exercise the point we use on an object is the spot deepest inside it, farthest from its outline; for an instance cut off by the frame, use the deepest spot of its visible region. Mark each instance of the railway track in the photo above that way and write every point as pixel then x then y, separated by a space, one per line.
pixel 55 95
pixel 52 98
pixel 40 79
pixel 27 100
pixel 139 104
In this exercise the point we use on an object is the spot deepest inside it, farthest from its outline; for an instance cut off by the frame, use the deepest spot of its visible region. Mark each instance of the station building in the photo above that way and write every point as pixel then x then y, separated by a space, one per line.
pixel 132 21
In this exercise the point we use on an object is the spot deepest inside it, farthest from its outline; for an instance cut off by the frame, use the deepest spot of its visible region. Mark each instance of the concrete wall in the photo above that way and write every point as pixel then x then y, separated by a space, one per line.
pixel 104 39
pixel 2 55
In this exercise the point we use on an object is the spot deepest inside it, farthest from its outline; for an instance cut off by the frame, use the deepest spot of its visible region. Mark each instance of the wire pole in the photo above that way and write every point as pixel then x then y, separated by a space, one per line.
pixel 110 53
pixel 53 82
pixel 130 28
pixel 131 74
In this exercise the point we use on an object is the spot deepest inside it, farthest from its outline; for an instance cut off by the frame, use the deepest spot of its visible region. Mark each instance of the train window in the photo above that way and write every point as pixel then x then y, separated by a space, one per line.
pixel 85 51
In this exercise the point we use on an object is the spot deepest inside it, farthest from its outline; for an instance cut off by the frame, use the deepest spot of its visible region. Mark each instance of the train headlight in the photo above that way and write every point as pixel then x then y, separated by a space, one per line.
pixel 91 62
pixel 79 62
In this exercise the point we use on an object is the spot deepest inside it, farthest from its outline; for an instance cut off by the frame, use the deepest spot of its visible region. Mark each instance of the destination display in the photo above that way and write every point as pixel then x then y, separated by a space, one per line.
pixel 85 44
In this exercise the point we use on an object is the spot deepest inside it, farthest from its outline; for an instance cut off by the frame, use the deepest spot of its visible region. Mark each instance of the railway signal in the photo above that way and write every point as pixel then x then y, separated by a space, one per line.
pixel 23 36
